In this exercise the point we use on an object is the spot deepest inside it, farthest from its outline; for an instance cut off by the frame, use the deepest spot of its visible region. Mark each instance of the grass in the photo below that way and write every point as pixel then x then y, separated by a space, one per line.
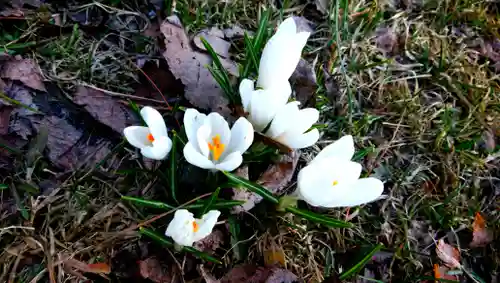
pixel 408 81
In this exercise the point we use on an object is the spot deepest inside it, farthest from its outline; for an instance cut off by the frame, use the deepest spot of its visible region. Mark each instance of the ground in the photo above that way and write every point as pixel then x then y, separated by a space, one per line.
pixel 415 82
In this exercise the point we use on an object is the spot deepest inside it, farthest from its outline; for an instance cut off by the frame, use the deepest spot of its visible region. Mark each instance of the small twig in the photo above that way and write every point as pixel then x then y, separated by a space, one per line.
pixel 117 94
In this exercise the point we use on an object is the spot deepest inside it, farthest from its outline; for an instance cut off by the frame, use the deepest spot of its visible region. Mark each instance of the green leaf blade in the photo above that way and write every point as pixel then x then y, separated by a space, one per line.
pixel 258 189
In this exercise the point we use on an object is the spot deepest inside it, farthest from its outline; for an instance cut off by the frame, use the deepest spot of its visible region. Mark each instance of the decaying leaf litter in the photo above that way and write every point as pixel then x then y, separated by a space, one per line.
pixel 416 84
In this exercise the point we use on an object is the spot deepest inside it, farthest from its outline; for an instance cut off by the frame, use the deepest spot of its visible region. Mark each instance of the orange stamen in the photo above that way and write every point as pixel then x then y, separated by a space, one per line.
pixel 436 271
pixel 195 226
pixel 216 147
pixel 151 138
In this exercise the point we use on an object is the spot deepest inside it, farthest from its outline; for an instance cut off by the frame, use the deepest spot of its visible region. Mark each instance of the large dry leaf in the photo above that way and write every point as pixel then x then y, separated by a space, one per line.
pixel 304 83
pixel 104 108
pixel 190 67
pixel 481 236
pixel 24 70
pixel 252 274
pixel 153 270
pixel 275 179
pixel 448 254
pixel 215 37
pixel 211 242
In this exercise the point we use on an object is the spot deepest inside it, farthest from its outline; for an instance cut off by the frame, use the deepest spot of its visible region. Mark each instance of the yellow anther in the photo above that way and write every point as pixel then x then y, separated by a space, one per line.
pixel 216 147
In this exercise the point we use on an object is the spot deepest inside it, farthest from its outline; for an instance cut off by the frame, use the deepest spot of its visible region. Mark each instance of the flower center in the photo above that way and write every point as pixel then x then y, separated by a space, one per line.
pixel 151 138
pixel 196 227
pixel 335 182
pixel 216 147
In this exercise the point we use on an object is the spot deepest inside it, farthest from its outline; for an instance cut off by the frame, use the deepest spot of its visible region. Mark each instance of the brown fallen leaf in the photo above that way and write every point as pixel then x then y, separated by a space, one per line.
pixel 386 40
pixel 274 256
pixel 98 268
pixel 153 270
pixel 441 272
pixel 253 274
pixel 304 83
pixel 24 70
pixel 448 254
pixel 5 119
pixel 215 37
pixel 211 242
pixel 105 108
pixel 481 236
pixel 275 179
pixel 190 67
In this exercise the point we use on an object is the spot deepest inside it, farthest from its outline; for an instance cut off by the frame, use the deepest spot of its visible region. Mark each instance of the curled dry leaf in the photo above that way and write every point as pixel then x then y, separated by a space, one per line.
pixel 24 70
pixel 105 108
pixel 189 67
pixel 448 254
pixel 481 236
pixel 275 179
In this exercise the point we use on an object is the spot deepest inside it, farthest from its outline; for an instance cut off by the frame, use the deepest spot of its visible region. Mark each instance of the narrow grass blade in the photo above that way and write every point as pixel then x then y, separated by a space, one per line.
pixel 258 189
pixel 3 187
pixel 358 266
pixel 161 205
pixel 318 218
pixel 257 43
pixel 173 168
pixel 211 200
pixel 166 242
pixel 251 51
pixel 15 102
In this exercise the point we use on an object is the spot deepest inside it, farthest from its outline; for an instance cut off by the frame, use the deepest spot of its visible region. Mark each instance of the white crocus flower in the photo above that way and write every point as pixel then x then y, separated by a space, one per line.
pixel 332 180
pixel 281 55
pixel 185 229
pixel 290 124
pixel 211 144
pixel 153 140
pixel 279 60
pixel 262 104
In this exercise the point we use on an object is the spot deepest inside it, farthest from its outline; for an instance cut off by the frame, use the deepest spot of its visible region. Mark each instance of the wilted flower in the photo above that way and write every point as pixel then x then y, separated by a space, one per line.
pixel 185 229
pixel 332 180
pixel 153 140
pixel 212 145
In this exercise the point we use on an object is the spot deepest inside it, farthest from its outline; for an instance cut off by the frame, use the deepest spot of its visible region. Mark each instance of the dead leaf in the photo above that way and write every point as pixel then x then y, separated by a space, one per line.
pixel 105 108
pixel 211 242
pixel 158 73
pixel 304 83
pixel 215 37
pixel 4 119
pixel 153 270
pixel 323 6
pixel 252 274
pixel 275 179
pixel 448 254
pixel 190 67
pixel 441 272
pixel 24 70
pixel 20 117
pixel 98 268
pixel 481 236
pixel 279 275
pixel 274 256
pixel 303 24
pixel 236 31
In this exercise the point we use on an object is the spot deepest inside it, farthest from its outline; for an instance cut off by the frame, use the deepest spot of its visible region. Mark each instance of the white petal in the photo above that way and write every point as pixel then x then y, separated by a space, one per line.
pixel 288 27
pixel 155 122
pixel 282 91
pixel 246 91
pixel 196 158
pixel 297 141
pixel 262 109
pixel 315 181
pixel 281 122
pixel 342 149
pixel 313 186
pixel 137 136
pixel 192 121
pixel 206 225
pixel 219 126
pixel 230 162
pixel 203 137
pixel 180 228
pixel 241 136
pixel 159 150
pixel 363 191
